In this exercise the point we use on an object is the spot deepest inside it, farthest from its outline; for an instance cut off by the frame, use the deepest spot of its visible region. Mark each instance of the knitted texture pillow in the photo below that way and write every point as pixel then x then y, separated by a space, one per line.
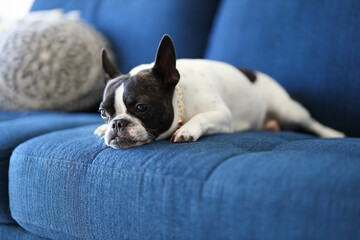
pixel 51 61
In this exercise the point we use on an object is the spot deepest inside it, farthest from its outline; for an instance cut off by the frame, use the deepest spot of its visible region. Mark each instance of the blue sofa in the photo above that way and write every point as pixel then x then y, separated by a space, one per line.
pixel 59 181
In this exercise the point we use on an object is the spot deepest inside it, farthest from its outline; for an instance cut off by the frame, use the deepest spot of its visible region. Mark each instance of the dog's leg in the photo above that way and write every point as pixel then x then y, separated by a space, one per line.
pixel 101 130
pixel 204 124
pixel 291 115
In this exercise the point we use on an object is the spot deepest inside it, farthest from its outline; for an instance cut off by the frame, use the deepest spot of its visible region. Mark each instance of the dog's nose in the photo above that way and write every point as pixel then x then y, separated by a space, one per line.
pixel 119 123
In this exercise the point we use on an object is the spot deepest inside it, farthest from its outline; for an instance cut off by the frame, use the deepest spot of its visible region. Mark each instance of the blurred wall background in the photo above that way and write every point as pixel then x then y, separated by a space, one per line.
pixel 11 11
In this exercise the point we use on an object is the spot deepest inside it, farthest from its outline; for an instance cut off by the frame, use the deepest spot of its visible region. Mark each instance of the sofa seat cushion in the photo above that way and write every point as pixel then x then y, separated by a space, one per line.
pixel 14 232
pixel 16 128
pixel 252 185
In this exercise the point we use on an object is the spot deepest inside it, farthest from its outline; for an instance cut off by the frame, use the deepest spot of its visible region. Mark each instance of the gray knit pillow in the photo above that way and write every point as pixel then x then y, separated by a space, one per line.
pixel 51 61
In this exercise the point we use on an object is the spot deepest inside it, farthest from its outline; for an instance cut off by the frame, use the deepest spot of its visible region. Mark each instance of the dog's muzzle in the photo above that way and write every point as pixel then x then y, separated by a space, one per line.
pixel 124 133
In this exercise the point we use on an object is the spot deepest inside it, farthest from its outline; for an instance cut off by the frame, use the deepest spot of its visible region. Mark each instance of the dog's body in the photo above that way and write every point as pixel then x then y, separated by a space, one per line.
pixel 211 97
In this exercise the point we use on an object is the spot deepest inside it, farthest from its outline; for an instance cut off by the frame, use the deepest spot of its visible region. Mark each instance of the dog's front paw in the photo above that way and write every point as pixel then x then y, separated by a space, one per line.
pixel 101 130
pixel 184 135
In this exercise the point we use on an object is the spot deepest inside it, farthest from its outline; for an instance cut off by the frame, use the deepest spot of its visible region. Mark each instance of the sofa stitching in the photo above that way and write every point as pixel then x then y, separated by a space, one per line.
pixel 116 171
pixel 127 172
pixel 220 163
pixel 123 172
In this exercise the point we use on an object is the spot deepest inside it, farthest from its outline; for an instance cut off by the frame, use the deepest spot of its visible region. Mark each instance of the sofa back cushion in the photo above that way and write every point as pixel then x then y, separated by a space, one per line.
pixel 311 47
pixel 135 27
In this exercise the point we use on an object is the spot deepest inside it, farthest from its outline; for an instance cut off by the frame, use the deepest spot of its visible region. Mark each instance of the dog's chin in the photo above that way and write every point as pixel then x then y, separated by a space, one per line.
pixel 124 143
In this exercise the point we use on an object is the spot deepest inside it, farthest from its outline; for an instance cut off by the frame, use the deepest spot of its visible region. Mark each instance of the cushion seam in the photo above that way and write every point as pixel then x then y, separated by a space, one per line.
pixel 60 161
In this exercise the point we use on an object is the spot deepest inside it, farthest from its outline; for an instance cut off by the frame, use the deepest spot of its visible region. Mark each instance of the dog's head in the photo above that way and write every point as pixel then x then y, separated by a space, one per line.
pixel 137 107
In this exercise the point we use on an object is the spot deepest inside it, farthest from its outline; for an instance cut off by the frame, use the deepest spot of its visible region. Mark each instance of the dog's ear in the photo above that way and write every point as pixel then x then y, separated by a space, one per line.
pixel 165 62
pixel 110 71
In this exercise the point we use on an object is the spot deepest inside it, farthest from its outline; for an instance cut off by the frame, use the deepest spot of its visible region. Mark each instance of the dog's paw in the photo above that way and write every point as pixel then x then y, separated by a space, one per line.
pixel 182 136
pixel 101 130
pixel 272 125
pixel 185 135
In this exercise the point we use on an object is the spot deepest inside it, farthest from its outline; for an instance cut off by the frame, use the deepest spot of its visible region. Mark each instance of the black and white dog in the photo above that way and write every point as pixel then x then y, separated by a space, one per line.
pixel 188 98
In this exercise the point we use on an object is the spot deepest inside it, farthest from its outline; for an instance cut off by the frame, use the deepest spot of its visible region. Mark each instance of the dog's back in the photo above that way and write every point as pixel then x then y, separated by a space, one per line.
pixel 211 85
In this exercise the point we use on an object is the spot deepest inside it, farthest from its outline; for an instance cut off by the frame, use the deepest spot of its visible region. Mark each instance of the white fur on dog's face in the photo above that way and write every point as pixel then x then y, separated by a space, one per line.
pixel 134 134
pixel 120 108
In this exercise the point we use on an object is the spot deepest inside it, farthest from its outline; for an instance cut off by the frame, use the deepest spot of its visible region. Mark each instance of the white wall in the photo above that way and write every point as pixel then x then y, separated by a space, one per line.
pixel 14 9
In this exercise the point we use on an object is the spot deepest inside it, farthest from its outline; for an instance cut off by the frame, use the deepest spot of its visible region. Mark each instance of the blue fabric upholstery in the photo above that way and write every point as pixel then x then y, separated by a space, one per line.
pixel 255 185
pixel 252 185
pixel 19 127
pixel 6 115
pixel 135 29
pixel 14 232
pixel 311 47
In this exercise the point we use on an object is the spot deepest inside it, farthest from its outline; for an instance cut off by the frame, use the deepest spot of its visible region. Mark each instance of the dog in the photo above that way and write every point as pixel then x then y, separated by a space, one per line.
pixel 188 98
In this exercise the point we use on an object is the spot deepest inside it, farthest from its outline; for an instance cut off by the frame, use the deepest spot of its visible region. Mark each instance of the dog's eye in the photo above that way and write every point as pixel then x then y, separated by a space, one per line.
pixel 141 108
pixel 103 113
